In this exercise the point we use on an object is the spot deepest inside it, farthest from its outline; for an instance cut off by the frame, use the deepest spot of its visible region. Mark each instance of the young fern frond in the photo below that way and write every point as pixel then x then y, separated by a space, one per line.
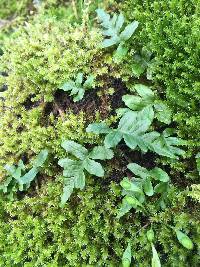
pixel 18 178
pixel 147 184
pixel 127 255
pixel 77 88
pixel 147 98
pixel 113 28
pixel 74 170
pixel 155 261
pixel 134 128
pixel 116 33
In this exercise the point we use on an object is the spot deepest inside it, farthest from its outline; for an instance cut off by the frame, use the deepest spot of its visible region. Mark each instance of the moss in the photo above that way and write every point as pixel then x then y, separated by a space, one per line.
pixel 173 38
pixel 195 192
pixel 55 49
pixel 86 231
pixel 37 60
pixel 35 114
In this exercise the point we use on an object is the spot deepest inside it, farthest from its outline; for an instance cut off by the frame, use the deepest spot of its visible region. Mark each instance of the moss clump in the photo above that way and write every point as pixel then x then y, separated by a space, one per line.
pixel 37 61
pixel 35 231
pixel 173 38
pixel 43 55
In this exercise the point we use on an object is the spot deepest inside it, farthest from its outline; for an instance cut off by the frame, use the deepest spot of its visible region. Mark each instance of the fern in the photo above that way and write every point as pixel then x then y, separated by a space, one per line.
pixel 133 127
pixel 147 98
pixel 18 178
pixel 113 28
pixel 149 183
pixel 127 255
pixel 78 87
pixel 184 240
pixel 74 170
pixel 115 32
pixel 155 261
pixel 142 62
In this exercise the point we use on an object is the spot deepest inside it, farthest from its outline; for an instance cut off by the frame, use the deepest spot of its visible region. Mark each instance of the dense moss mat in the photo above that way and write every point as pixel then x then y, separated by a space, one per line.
pixel 170 30
pixel 33 81
pixel 36 232
pixel 35 62
pixel 51 48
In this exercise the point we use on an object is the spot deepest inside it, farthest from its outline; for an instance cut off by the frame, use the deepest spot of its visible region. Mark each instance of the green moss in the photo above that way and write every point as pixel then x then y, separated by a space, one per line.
pixel 173 38
pixel 44 55
pixel 35 231
pixel 38 59
pixel 195 192
pixel 27 136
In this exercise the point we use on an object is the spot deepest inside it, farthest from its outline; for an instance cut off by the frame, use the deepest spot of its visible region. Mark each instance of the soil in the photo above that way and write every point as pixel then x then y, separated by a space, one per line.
pixel 116 98
pixel 63 103
pixel 105 104
pixel 29 104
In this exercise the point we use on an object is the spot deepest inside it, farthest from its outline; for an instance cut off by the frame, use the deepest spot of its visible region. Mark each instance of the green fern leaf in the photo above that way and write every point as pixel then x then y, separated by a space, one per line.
pixel 113 29
pixel 77 88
